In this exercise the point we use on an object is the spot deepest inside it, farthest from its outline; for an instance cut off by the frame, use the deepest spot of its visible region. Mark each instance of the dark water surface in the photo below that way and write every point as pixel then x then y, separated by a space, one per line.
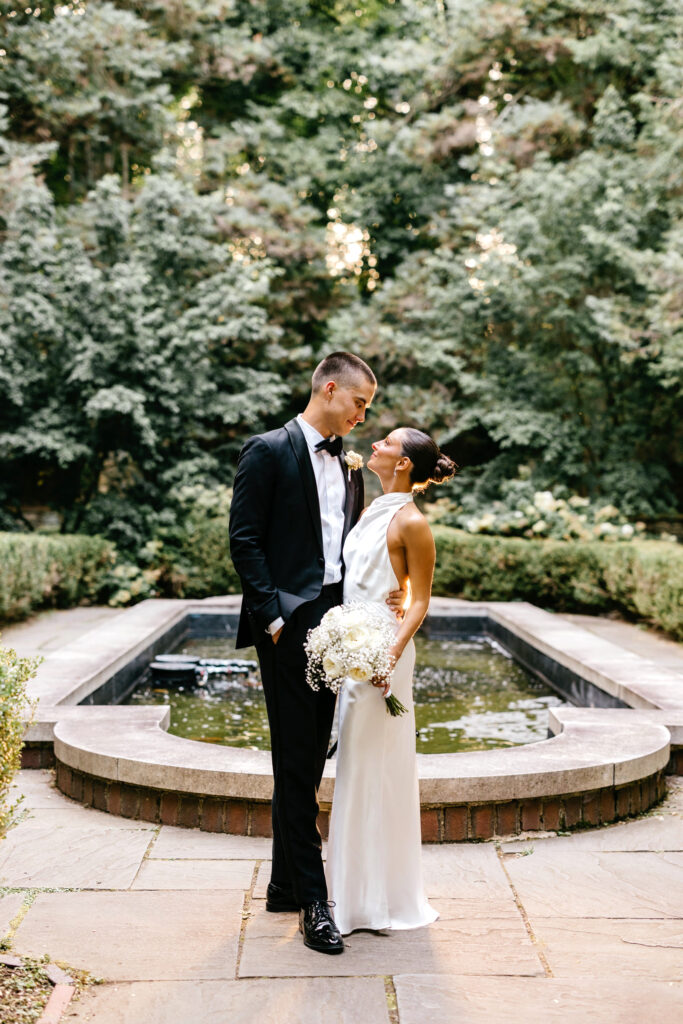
pixel 469 695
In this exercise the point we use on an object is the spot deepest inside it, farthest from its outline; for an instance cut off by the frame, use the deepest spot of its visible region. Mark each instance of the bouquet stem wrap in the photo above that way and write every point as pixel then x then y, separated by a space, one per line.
pixel 352 641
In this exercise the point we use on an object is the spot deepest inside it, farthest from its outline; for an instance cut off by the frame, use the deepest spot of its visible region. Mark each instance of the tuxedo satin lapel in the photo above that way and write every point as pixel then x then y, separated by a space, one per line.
pixel 348 501
pixel 298 442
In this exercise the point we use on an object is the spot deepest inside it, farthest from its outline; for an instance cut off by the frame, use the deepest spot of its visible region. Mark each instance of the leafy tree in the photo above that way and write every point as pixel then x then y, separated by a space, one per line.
pixel 540 330
pixel 90 78
pixel 138 353
pixel 483 199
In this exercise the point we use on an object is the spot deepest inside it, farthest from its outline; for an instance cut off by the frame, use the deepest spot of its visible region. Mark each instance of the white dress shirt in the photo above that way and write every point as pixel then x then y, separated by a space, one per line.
pixel 329 478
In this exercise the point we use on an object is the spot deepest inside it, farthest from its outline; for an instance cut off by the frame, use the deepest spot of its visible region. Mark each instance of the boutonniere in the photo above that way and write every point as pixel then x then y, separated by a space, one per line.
pixel 353 461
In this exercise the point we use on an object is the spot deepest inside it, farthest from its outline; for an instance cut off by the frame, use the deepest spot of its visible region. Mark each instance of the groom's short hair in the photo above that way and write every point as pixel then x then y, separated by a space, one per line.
pixel 344 369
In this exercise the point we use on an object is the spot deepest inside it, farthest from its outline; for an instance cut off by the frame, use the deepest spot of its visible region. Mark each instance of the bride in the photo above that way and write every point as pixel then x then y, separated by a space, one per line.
pixel 374 872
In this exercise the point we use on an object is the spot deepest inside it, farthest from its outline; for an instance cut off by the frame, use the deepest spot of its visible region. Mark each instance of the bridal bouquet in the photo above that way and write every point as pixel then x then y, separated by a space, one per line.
pixel 353 640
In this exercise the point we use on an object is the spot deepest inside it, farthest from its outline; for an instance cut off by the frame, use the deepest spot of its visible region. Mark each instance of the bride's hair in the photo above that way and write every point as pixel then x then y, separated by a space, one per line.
pixel 430 465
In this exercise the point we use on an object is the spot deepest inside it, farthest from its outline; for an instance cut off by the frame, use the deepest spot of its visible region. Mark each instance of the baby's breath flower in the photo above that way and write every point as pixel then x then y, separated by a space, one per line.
pixel 352 641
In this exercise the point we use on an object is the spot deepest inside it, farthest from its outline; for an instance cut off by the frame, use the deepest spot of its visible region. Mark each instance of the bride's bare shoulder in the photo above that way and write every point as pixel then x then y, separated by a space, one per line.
pixel 413 525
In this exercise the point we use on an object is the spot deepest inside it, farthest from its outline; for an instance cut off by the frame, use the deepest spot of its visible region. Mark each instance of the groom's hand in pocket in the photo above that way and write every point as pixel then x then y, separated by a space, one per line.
pixel 396 600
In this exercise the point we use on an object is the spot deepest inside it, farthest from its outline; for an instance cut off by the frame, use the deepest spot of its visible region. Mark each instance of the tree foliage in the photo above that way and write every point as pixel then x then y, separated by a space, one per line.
pixel 201 198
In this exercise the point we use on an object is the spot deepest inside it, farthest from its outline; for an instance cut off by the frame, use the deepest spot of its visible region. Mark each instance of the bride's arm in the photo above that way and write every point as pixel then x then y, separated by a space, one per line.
pixel 420 553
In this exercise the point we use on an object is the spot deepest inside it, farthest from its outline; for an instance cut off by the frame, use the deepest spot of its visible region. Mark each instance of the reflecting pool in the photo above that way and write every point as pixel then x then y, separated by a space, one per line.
pixel 469 695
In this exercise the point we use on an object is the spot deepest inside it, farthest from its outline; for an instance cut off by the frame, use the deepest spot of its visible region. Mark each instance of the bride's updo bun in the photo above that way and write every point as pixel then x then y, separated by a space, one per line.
pixel 443 470
pixel 430 465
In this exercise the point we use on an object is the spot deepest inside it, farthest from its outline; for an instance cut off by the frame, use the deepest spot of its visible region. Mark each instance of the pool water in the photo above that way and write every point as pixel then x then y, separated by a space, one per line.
pixel 469 695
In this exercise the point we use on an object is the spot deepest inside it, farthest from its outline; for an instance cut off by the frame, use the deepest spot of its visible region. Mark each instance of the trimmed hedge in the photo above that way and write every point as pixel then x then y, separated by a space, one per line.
pixel 46 570
pixel 639 579
pixel 200 565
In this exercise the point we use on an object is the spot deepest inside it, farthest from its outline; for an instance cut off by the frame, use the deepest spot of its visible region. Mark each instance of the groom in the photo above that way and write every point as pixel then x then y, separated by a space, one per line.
pixel 294 501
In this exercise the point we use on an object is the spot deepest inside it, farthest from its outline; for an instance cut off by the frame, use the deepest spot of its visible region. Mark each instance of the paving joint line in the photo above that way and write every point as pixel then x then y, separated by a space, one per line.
pixel 391 999
pixel 246 914
pixel 7 940
pixel 146 855
pixel 525 917
pixel 331 977
pixel 179 860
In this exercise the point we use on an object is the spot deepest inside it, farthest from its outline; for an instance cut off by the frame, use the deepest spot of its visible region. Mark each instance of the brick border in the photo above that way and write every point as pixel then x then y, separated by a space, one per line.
pixel 471 822
pixel 38 755
pixel 446 823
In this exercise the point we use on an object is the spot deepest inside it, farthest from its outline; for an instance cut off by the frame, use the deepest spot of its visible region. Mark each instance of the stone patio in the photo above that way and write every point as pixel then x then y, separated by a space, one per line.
pixel 555 928
pixel 548 927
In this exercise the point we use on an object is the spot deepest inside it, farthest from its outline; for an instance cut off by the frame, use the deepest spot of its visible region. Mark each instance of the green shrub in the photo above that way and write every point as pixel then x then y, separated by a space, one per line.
pixel 195 560
pixel 647 582
pixel 522 511
pixel 14 704
pixel 43 570
pixel 642 579
pixel 201 566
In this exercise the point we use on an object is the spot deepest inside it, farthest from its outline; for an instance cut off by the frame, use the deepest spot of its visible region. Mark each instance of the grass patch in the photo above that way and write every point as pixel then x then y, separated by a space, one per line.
pixel 24 991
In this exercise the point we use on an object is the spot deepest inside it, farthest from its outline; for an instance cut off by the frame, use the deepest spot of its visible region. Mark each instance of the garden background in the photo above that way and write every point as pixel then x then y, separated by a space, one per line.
pixel 200 199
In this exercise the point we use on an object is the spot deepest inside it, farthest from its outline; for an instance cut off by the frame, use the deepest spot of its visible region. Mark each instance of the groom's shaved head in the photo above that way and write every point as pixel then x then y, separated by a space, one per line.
pixel 344 369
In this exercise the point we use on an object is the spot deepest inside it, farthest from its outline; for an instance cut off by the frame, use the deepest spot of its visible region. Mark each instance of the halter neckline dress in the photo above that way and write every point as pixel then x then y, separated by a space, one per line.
pixel 374 869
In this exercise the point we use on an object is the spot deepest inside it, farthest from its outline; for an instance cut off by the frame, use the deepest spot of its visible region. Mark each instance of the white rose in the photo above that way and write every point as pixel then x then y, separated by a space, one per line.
pixel 360 674
pixel 333 666
pixel 334 614
pixel 355 637
pixel 353 460
pixel 352 619
pixel 374 638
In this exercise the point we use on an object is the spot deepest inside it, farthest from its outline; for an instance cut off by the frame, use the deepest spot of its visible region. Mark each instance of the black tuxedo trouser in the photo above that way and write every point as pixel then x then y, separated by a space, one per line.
pixel 300 722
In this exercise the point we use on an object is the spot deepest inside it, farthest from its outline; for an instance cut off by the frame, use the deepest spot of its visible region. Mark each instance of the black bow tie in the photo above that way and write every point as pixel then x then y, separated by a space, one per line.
pixel 333 445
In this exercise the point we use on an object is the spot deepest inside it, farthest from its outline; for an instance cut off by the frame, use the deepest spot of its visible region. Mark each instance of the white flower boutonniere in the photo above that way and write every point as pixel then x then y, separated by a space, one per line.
pixel 353 461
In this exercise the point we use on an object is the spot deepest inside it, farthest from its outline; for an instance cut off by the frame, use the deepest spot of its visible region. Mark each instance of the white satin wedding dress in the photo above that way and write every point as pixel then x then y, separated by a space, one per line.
pixel 374 871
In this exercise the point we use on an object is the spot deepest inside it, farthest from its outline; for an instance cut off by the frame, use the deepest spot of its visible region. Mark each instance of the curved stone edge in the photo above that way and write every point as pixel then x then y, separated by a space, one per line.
pixel 611 667
pixel 440 824
pixel 586 755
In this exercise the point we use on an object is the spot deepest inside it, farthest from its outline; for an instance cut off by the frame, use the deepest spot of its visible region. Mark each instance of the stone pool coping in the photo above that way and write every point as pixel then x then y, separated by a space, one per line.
pixel 594 750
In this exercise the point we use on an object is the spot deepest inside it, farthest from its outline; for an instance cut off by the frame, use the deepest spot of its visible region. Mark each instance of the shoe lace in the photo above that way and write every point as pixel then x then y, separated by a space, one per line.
pixel 320 912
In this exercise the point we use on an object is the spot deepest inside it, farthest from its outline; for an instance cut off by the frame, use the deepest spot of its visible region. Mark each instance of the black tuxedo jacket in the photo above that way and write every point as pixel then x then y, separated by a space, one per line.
pixel 275 530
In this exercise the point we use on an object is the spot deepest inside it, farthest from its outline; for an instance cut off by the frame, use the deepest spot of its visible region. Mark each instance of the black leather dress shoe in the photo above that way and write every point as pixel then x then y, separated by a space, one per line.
pixel 319 930
pixel 280 900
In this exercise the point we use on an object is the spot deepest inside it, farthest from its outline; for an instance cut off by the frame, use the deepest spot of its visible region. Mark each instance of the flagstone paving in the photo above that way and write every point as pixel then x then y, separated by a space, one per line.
pixel 607 1000
pixel 575 928
pixel 561 928
pixel 10 905
pixel 304 1001
pixel 452 945
pixel 642 884
pixel 135 936
pixel 99 858
pixel 608 948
